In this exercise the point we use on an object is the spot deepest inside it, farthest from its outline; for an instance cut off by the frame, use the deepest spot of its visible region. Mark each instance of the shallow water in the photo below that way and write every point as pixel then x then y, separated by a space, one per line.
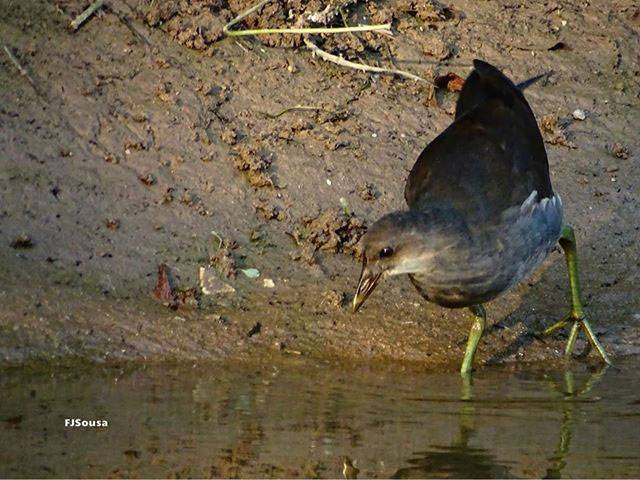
pixel 303 419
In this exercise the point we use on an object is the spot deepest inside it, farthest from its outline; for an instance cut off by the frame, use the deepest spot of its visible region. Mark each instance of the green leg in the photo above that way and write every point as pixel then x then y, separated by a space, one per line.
pixel 479 321
pixel 577 316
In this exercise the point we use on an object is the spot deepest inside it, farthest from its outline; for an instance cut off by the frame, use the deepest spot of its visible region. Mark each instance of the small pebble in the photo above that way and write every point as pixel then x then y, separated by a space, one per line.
pixel 268 283
pixel 579 114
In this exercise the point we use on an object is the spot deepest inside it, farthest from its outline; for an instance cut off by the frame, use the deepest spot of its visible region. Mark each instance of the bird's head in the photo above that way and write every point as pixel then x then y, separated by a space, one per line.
pixel 410 241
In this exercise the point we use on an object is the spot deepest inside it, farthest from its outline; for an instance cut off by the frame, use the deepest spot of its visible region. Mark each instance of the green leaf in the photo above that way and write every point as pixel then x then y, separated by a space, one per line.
pixel 250 272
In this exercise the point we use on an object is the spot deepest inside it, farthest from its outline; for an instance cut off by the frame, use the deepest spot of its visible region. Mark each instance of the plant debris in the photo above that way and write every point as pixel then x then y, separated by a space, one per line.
pixel 250 272
pixel 164 291
pixel 22 241
pixel 558 46
pixel 257 327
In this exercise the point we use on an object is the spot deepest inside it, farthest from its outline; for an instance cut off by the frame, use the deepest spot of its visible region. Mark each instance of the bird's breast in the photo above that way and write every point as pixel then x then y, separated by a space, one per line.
pixel 497 259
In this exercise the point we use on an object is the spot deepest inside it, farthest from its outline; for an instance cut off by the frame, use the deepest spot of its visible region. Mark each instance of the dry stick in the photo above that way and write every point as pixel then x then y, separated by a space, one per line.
pixel 290 109
pixel 124 19
pixel 383 28
pixel 84 16
pixel 22 70
pixel 243 15
pixel 358 66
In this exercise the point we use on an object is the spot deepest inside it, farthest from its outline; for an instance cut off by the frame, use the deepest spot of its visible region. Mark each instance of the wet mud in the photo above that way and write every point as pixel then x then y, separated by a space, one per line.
pixel 250 165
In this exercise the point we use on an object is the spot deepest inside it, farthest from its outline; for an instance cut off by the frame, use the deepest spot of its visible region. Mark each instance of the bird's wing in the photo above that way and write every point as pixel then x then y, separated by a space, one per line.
pixel 489 159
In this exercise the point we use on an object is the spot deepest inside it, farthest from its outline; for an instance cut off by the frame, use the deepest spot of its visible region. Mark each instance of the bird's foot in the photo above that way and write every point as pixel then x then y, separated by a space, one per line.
pixel 577 320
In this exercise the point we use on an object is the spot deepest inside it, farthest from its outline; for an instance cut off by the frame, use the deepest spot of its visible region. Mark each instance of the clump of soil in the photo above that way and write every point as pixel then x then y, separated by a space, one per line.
pixel 436 47
pixel 427 11
pixel 619 150
pixel 255 165
pixel 195 24
pixel 21 241
pixel 229 136
pixel 267 210
pixel 224 261
pixel 334 231
pixel 554 131
pixel 333 298
pixel 367 191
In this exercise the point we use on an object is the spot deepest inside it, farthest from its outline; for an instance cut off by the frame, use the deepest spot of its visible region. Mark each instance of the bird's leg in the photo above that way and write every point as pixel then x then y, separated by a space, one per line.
pixel 479 321
pixel 576 317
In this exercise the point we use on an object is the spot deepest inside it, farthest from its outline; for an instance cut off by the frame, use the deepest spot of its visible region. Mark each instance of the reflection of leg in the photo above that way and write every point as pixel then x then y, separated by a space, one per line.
pixel 467 411
pixel 479 321
pixel 566 429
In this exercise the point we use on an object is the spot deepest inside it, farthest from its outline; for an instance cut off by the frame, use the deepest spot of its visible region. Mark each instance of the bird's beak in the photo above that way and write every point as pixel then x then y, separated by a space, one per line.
pixel 367 284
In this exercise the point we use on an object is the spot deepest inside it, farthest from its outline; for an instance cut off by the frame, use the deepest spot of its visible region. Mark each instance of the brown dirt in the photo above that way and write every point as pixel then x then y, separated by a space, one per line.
pixel 147 132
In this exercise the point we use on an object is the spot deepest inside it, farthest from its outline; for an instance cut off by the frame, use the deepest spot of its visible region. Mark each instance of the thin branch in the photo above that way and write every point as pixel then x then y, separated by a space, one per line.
pixel 383 28
pixel 243 15
pixel 358 66
pixel 22 70
pixel 84 16
pixel 290 109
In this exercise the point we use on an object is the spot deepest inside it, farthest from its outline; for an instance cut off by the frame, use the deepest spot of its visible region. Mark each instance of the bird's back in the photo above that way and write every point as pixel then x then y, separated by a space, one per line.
pixel 489 159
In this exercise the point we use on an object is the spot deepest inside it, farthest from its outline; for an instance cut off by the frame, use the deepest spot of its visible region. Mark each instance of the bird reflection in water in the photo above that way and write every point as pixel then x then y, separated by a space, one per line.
pixel 460 460
pixel 571 395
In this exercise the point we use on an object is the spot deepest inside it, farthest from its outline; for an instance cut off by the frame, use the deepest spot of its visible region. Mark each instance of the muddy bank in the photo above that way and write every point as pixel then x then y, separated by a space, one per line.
pixel 138 144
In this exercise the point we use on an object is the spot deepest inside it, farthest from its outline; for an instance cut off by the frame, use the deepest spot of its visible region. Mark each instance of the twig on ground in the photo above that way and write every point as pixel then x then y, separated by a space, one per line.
pixel 243 15
pixel 126 21
pixel 245 49
pixel 382 28
pixel 358 66
pixel 290 109
pixel 22 70
pixel 84 16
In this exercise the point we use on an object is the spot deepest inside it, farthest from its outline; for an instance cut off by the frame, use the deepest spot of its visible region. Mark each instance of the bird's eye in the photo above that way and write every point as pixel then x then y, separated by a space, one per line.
pixel 386 252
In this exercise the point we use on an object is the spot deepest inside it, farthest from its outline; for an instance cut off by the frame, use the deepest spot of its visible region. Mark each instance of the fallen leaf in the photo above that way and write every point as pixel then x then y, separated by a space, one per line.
pixel 164 290
pixel 250 272
pixel 452 81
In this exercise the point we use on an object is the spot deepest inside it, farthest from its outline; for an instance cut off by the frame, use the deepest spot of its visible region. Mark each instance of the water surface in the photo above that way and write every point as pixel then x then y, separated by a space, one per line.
pixel 303 419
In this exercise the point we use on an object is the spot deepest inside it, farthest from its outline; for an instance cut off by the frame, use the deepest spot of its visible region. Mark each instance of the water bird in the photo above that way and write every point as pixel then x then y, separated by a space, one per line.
pixel 482 214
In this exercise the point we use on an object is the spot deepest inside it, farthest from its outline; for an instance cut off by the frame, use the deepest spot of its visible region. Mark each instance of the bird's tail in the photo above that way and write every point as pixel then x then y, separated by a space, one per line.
pixel 527 83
